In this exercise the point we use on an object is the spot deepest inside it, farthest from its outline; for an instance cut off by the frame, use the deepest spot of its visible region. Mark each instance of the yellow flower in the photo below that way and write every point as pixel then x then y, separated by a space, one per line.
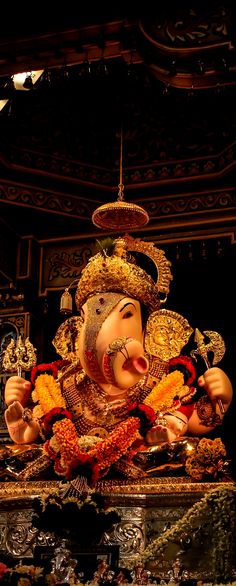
pixel 48 393
pixel 37 412
pixel 162 395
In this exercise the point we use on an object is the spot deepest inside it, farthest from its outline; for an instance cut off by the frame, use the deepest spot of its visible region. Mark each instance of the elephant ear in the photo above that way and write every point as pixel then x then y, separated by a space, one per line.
pixel 167 332
pixel 66 339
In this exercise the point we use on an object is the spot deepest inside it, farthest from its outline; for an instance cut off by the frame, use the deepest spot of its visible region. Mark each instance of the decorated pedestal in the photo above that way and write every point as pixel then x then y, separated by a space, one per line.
pixel 148 510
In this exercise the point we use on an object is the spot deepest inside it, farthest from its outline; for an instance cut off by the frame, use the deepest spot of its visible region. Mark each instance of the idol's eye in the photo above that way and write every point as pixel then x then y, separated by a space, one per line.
pixel 127 310
pixel 127 314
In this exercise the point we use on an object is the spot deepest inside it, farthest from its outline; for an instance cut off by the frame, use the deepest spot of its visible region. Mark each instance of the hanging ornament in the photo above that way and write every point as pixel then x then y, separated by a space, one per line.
pixel 66 302
pixel 120 215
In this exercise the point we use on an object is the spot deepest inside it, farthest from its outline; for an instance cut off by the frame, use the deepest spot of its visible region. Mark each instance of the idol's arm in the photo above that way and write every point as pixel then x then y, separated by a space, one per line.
pixel 21 428
pixel 207 413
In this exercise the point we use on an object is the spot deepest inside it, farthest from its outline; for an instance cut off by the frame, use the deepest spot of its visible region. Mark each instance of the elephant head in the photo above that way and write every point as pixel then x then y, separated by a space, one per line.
pixel 111 291
pixel 111 340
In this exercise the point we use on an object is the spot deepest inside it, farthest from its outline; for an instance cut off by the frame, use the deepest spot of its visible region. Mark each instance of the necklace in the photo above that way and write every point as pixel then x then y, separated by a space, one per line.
pixel 88 402
pixel 118 409
pixel 93 399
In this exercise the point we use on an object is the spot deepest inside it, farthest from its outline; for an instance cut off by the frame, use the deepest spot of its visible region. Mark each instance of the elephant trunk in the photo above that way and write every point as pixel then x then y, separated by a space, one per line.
pixel 124 363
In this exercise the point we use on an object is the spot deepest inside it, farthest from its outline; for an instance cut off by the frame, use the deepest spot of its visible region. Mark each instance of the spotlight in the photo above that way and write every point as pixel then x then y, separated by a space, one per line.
pixel 28 83
pixel 26 79
pixel 7 88
pixel 44 82
pixel 200 67
pixel 223 65
pixel 86 70
pixel 102 69
pixel 166 90
pixel 172 67
pixel 191 93
pixel 3 104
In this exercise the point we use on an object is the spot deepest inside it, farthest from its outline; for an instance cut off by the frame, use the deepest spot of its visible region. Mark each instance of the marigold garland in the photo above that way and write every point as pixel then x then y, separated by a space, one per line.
pixel 117 443
pixel 162 396
pixel 64 446
pixel 47 391
pixel 67 438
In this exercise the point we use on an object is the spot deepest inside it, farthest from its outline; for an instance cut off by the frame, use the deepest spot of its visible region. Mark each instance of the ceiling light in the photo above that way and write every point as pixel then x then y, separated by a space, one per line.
pixel 2 104
pixel 19 79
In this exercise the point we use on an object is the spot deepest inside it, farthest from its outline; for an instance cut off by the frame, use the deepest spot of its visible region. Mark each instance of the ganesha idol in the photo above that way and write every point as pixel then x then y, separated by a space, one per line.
pixel 122 387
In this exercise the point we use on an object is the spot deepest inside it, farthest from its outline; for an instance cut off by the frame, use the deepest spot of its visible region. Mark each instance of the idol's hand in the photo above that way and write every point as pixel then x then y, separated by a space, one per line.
pixel 218 386
pixel 17 389
pixel 22 428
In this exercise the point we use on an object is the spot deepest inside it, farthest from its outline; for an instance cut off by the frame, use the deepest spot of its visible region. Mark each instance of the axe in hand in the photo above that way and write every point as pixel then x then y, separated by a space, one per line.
pixel 216 345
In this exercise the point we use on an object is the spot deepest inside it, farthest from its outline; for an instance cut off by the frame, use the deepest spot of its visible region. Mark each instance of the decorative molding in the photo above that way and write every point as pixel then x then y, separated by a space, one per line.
pixel 137 176
pixel 49 164
pixel 181 171
pixel 46 200
pixel 186 207
pixel 190 47
pixel 199 31
pixel 192 203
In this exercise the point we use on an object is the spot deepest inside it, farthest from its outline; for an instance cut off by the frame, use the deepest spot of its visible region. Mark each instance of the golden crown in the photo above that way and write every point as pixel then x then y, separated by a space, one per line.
pixel 120 272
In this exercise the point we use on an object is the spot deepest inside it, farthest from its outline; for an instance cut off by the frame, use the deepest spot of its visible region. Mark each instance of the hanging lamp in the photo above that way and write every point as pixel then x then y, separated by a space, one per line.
pixel 120 215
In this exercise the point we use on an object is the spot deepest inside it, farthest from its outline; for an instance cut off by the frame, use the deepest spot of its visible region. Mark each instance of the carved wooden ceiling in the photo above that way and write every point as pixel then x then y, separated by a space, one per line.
pixel 167 78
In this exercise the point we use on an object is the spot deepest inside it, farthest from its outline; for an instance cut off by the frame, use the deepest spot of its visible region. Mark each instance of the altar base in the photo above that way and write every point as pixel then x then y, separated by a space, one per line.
pixel 147 508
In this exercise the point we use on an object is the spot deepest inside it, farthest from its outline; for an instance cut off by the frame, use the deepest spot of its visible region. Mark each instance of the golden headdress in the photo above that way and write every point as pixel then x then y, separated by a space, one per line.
pixel 121 272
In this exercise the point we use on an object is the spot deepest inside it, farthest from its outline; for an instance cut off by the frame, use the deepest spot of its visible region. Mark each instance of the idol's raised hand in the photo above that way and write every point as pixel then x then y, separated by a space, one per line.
pixel 17 389
pixel 22 428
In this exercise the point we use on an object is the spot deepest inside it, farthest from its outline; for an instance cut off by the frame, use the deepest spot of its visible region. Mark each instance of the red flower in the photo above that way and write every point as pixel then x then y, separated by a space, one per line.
pixel 56 414
pixel 83 465
pixel 49 450
pixel 3 570
pixel 145 414
pixel 50 368
pixel 186 366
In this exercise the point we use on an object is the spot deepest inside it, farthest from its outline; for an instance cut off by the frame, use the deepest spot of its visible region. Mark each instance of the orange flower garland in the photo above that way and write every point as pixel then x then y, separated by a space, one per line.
pixel 116 444
pixel 63 444
pixel 64 448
